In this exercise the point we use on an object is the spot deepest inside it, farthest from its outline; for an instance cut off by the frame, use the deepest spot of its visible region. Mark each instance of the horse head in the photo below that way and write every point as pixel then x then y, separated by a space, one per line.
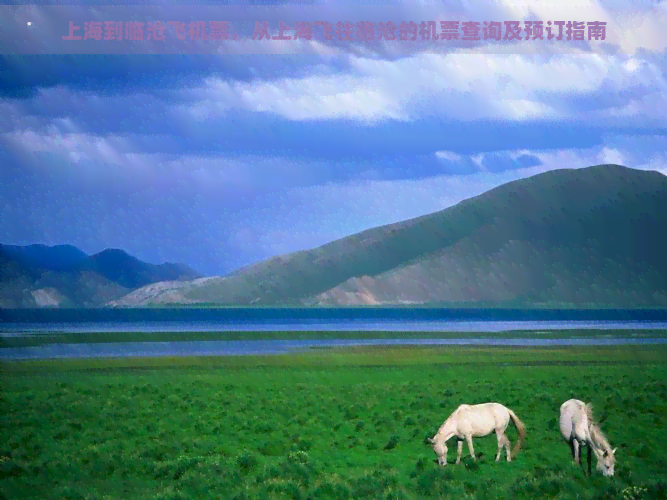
pixel 606 461
pixel 440 450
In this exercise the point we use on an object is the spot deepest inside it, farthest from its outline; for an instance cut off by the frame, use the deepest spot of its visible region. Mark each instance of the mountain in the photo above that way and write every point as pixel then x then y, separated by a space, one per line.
pixel 118 266
pixel 16 278
pixel 31 278
pixel 592 236
pixel 42 256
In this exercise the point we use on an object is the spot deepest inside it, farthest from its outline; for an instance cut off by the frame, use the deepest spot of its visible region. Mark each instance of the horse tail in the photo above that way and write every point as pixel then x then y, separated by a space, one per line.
pixel 522 432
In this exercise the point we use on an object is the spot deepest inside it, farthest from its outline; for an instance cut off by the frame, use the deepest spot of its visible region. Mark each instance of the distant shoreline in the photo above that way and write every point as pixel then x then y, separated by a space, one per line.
pixel 40 339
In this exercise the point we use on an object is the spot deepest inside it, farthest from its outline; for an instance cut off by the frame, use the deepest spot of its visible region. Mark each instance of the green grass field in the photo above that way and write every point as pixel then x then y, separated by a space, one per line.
pixel 336 423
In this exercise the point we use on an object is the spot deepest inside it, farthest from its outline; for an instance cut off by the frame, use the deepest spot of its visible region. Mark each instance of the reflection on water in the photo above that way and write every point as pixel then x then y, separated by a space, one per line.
pixel 255 347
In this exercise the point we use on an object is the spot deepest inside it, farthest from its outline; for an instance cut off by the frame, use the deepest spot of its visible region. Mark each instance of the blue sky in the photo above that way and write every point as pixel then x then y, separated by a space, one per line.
pixel 222 157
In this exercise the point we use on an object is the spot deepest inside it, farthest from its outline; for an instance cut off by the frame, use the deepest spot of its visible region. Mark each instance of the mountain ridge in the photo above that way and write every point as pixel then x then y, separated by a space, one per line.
pixel 42 276
pixel 511 243
pixel 44 256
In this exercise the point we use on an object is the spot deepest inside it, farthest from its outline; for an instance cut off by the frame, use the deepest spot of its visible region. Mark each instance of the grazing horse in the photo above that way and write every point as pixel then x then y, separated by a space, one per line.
pixel 578 427
pixel 470 421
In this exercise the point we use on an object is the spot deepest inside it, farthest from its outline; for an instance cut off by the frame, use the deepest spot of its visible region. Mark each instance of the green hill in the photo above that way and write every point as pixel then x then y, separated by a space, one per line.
pixel 593 236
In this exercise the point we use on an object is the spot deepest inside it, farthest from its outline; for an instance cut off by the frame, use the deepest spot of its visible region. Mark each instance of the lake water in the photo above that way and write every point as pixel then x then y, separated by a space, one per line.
pixel 30 322
pixel 342 324
pixel 334 319
pixel 258 347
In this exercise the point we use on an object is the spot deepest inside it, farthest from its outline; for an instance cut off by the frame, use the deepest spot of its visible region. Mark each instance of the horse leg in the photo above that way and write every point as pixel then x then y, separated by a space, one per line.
pixel 507 448
pixel 459 450
pixel 470 447
pixel 575 446
pixel 501 443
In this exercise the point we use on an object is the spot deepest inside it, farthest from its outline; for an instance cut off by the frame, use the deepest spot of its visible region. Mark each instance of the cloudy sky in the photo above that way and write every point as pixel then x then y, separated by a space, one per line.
pixel 222 154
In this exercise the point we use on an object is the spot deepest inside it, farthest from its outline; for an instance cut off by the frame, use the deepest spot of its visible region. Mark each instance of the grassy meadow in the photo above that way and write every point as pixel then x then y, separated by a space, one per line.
pixel 332 423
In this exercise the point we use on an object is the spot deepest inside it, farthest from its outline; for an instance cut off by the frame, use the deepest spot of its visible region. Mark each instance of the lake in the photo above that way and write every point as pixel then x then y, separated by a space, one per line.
pixel 11 329
pixel 287 314
pixel 322 319
pixel 268 347
pixel 16 323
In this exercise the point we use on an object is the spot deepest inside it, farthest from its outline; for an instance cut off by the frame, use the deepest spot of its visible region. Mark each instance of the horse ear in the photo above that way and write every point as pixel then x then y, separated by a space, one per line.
pixel 613 452
pixel 430 440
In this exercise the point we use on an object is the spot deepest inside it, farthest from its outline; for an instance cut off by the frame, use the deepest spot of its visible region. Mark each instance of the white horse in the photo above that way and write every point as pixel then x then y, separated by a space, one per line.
pixel 470 421
pixel 578 427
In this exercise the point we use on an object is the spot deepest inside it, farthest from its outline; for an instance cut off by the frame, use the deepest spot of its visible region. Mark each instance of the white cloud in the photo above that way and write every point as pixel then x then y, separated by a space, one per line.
pixel 461 84
pixel 456 86
pixel 447 155
pixel 477 159
pixel 610 155
pixel 631 26
pixel 102 161
pixel 78 146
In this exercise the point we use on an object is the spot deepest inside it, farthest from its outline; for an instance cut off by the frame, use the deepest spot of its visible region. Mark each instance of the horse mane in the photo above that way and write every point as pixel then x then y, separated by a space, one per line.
pixel 588 408
pixel 597 435
pixel 444 424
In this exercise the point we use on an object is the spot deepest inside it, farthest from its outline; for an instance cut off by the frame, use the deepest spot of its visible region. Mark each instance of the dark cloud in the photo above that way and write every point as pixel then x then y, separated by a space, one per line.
pixel 105 151
pixel 120 74
pixel 502 161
